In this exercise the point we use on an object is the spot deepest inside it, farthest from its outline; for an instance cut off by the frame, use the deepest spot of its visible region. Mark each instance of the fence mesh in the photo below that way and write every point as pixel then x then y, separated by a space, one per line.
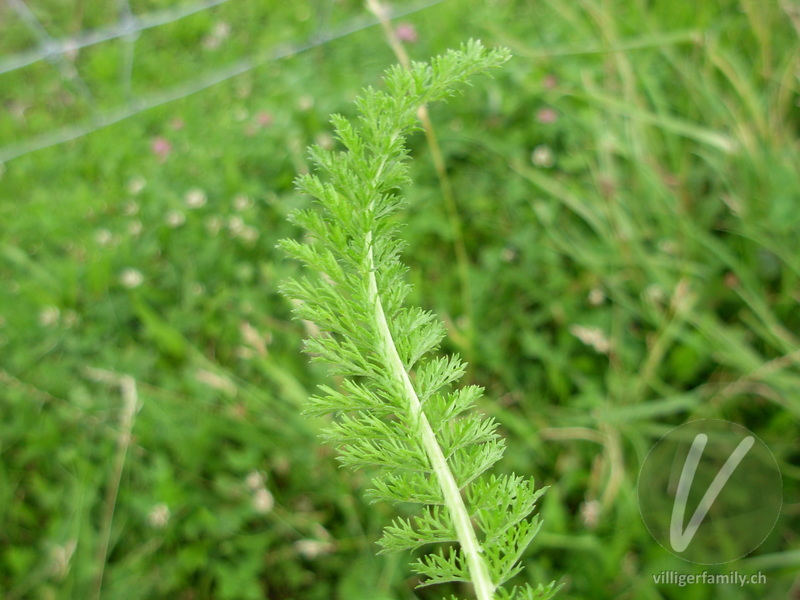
pixel 70 67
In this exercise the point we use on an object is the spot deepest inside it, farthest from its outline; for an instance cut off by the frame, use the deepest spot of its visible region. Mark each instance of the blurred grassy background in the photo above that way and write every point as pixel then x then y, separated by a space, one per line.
pixel 627 194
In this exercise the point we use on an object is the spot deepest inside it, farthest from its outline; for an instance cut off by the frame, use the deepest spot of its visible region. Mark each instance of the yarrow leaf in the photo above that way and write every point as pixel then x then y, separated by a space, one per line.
pixel 394 408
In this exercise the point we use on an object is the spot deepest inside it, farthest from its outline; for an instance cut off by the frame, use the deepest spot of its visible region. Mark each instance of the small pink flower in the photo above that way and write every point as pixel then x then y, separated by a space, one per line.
pixel 546 115
pixel 161 147
pixel 264 118
pixel 406 33
pixel 550 82
pixel 177 123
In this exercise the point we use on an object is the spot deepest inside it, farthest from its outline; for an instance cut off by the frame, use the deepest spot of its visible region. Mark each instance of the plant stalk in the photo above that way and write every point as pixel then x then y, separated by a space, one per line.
pixel 479 572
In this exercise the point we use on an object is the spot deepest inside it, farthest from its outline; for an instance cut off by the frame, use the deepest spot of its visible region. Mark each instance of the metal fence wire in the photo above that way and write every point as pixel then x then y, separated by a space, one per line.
pixel 57 86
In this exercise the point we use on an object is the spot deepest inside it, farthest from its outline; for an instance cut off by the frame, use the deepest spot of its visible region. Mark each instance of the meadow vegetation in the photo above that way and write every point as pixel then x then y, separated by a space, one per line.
pixel 619 257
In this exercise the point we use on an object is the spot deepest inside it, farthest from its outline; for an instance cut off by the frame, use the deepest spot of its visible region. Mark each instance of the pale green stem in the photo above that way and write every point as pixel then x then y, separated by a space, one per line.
pixel 479 572
pixel 462 259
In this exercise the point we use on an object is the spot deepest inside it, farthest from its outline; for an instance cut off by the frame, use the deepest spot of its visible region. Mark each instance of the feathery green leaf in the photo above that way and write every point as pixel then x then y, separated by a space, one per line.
pixel 395 409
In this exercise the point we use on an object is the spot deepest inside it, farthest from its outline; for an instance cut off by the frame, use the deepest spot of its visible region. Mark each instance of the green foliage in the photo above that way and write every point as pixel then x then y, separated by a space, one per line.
pixel 659 215
pixel 394 408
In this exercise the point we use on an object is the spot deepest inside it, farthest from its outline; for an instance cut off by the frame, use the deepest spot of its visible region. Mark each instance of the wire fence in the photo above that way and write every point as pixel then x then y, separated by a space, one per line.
pixel 45 78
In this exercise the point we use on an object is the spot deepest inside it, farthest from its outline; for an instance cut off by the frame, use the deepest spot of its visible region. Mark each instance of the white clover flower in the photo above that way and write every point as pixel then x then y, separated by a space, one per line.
pixel 175 218
pixel 135 228
pixel 136 185
pixel 130 208
pixel 158 517
pixel 219 34
pixel 103 237
pixel 305 102
pixel 195 198
pixel 213 225
pixel 508 254
pixel 263 501
pixel 49 316
pixel 242 202
pixel 655 293
pixel 249 234
pixel 325 140
pixel 221 30
pixel 542 156
pixel 131 278
pixel 596 296
pixel 235 225
pixel 311 549
pixel 254 480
